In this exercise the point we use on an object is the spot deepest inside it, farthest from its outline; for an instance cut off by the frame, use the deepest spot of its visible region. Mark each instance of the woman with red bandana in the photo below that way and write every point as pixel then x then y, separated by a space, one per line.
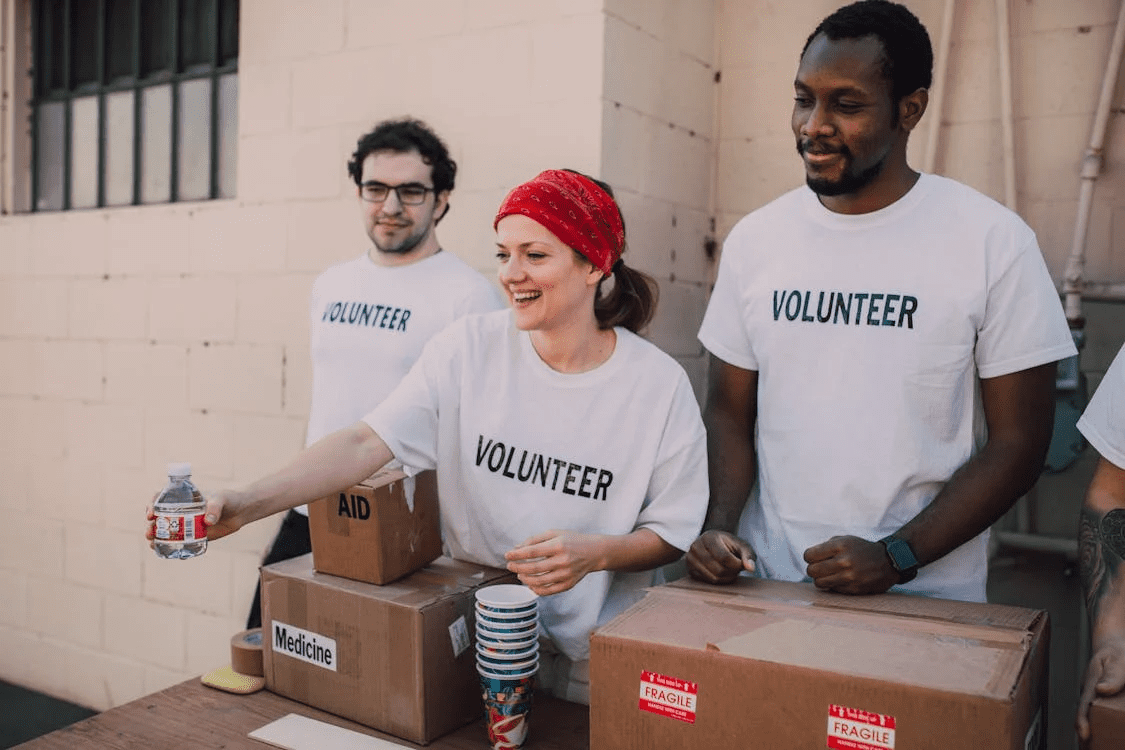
pixel 568 449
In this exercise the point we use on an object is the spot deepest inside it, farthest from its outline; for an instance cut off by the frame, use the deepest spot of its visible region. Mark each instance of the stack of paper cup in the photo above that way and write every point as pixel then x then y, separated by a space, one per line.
pixel 507 659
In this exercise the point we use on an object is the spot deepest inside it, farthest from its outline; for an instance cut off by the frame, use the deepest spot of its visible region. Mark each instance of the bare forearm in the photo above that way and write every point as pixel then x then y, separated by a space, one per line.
pixel 639 550
pixel 1019 410
pixel 1101 548
pixel 733 467
pixel 972 500
pixel 338 461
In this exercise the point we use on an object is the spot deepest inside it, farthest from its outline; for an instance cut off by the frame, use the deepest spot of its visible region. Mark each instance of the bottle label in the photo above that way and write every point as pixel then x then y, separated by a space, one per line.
pixel 175 527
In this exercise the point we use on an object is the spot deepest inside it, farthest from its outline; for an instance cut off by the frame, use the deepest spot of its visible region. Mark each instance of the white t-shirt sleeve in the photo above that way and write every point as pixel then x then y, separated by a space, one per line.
pixel 723 332
pixel 1103 421
pixel 1024 324
pixel 676 501
pixel 407 420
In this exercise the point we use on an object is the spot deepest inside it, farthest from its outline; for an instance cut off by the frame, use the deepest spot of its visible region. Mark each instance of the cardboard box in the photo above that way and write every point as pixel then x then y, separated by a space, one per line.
pixel 771 664
pixel 380 530
pixel 398 658
pixel 1107 723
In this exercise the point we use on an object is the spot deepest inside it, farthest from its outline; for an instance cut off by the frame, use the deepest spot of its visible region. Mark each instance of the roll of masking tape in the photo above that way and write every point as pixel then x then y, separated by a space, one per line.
pixel 246 652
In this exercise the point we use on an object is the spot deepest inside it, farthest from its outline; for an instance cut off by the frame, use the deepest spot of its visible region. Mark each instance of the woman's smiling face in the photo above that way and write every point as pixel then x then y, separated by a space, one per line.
pixel 547 283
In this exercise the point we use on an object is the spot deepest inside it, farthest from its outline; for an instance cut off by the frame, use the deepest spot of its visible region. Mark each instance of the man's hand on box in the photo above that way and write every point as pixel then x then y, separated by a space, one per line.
pixel 850 565
pixel 1105 675
pixel 555 561
pixel 719 557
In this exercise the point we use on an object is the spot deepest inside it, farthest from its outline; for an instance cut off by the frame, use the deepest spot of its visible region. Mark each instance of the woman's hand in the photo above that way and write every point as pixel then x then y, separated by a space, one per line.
pixel 555 561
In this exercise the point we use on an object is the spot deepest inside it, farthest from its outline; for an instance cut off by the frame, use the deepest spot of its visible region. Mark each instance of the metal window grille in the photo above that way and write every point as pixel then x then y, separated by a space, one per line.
pixel 135 102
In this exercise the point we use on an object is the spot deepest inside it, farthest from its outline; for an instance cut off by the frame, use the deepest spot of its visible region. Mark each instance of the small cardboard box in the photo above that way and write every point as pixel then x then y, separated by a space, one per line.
pixel 771 664
pixel 380 530
pixel 398 658
pixel 1107 723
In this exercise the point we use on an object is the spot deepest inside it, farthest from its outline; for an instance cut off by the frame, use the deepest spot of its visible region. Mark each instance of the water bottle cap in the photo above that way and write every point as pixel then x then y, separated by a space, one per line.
pixel 182 469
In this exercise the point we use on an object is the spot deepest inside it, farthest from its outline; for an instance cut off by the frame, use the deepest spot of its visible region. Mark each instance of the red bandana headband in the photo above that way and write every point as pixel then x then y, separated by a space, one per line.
pixel 575 210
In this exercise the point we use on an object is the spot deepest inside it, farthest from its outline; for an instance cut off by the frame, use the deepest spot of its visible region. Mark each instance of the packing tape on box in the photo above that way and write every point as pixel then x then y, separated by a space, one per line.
pixel 246 652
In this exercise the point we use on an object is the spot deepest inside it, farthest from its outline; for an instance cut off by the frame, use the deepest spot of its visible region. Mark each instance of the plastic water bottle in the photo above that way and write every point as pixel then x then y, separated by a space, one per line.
pixel 179 510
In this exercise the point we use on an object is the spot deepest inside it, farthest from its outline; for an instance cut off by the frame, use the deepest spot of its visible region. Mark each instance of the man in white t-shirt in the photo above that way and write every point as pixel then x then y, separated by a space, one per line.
pixel 884 345
pixel 372 315
pixel 1101 542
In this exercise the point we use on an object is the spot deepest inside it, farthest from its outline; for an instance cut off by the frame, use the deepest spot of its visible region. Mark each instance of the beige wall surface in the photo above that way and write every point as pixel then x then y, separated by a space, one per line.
pixel 132 337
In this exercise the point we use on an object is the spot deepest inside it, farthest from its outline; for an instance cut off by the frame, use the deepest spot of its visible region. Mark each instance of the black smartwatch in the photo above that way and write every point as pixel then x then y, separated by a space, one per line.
pixel 902 557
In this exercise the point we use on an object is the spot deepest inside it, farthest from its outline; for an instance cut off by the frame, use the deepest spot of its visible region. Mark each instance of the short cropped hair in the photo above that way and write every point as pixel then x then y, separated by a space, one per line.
pixel 908 57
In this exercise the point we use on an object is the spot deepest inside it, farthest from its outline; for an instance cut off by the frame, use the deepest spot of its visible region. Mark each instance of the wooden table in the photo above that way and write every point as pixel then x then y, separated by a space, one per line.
pixel 192 716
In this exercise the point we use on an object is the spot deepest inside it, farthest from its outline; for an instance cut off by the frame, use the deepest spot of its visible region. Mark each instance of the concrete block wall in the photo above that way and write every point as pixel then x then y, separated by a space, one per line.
pixel 136 336
pixel 658 152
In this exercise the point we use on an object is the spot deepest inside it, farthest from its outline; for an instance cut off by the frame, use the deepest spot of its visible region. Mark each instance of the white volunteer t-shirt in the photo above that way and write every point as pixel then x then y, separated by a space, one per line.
pixel 1103 421
pixel 520 448
pixel 868 333
pixel 369 324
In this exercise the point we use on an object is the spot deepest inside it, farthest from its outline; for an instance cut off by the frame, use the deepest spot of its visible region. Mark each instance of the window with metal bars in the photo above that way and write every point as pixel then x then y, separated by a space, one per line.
pixel 135 102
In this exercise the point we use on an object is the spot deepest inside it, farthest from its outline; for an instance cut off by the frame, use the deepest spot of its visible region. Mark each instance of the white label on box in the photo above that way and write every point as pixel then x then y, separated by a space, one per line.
pixel 459 635
pixel 313 648
pixel 856 729
pixel 668 696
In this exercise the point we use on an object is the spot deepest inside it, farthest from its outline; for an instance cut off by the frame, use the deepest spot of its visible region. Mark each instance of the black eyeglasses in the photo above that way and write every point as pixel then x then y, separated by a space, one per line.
pixel 410 194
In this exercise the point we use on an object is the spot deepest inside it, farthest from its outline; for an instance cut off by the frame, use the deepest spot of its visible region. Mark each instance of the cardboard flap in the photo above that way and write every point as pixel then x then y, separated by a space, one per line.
pixel 898 605
pixel 939 662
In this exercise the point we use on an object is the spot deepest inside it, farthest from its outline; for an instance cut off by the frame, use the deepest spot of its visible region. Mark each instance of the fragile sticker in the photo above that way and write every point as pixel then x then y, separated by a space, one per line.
pixel 668 696
pixel 856 729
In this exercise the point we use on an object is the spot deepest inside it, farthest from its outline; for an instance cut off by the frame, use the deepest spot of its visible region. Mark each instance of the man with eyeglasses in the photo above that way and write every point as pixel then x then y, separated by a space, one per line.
pixel 372 315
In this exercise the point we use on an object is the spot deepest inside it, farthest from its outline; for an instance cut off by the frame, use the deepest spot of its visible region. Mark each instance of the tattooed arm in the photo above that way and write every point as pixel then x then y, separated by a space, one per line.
pixel 1101 549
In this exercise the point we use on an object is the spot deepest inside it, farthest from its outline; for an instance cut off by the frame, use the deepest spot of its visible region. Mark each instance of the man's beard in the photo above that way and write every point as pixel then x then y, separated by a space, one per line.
pixel 848 182
pixel 403 247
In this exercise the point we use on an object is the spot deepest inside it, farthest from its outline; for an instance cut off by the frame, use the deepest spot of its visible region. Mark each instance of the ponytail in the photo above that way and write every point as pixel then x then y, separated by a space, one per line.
pixel 631 302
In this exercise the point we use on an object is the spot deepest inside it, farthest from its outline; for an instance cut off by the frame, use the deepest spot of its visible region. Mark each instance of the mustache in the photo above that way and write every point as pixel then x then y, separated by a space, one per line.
pixel 805 145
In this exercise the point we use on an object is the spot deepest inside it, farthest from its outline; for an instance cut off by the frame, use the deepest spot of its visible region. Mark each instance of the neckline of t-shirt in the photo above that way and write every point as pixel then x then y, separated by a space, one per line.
pixel 884 215
pixel 573 379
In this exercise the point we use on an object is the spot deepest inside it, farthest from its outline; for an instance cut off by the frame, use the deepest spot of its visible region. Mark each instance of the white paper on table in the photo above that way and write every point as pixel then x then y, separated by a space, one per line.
pixel 296 732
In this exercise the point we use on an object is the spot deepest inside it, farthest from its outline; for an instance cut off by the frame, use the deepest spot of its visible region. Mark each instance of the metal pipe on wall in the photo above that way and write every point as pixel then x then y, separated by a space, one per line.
pixel 1091 169
pixel 937 101
pixel 7 85
pixel 1004 54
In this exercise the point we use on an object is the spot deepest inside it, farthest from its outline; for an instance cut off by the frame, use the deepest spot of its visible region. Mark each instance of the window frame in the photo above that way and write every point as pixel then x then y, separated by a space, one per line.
pixel 41 93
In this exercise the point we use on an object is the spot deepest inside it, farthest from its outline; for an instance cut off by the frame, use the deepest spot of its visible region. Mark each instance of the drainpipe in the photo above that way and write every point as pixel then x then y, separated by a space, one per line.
pixel 938 89
pixel 1004 53
pixel 7 65
pixel 1091 168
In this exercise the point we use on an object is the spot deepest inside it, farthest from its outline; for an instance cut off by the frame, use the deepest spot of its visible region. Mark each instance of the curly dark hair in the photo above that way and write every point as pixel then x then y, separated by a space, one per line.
pixel 402 135
pixel 908 57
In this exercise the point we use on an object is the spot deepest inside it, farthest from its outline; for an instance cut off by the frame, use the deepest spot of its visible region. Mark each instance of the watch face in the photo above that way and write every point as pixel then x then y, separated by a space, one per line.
pixel 902 557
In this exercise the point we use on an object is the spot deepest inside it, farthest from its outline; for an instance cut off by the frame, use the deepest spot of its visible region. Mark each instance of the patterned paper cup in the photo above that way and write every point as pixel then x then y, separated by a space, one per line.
pixel 506 636
pixel 502 658
pixel 508 669
pixel 497 613
pixel 506 596
pixel 507 704
pixel 507 623
pixel 505 649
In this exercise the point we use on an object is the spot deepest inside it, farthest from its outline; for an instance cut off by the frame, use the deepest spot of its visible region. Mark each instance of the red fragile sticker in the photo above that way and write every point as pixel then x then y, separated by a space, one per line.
pixel 856 729
pixel 668 696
